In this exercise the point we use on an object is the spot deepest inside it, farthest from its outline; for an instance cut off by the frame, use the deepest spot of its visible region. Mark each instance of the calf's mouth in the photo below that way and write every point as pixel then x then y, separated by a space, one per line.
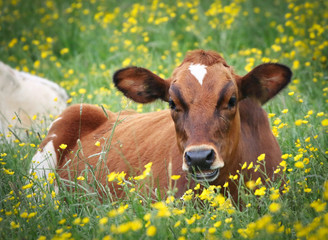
pixel 204 175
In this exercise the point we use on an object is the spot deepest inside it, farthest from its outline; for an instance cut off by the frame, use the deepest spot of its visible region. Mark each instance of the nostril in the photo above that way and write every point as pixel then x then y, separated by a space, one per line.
pixel 210 157
pixel 188 159
pixel 200 158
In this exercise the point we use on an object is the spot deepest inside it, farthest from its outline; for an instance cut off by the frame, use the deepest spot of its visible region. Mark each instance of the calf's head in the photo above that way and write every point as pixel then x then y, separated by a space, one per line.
pixel 203 94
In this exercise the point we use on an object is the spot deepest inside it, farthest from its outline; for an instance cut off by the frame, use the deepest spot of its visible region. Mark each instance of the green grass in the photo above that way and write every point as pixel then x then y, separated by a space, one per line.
pixel 103 36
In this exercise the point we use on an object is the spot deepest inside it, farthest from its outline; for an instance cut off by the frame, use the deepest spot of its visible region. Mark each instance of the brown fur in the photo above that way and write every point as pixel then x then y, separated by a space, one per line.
pixel 202 116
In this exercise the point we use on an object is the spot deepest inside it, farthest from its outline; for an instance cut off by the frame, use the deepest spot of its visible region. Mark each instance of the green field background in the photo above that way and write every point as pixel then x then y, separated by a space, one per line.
pixel 80 44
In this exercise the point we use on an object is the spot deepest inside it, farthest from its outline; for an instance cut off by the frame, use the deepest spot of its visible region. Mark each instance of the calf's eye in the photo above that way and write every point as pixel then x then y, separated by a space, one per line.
pixel 232 102
pixel 172 104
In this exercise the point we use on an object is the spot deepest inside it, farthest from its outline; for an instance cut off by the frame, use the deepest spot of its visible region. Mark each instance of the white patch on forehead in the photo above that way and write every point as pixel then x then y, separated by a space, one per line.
pixel 199 71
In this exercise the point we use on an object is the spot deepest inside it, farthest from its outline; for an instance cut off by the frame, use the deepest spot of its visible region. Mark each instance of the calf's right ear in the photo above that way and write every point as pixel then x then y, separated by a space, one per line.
pixel 264 81
pixel 141 85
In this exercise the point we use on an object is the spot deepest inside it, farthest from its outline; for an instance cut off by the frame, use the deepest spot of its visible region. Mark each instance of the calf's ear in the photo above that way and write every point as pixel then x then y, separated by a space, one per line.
pixel 264 81
pixel 141 85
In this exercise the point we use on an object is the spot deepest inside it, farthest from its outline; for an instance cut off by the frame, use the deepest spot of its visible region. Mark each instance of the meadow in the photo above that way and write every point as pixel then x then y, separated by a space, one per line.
pixel 80 44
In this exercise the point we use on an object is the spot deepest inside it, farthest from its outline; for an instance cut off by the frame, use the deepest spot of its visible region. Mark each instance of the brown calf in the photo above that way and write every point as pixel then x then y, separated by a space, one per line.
pixel 215 124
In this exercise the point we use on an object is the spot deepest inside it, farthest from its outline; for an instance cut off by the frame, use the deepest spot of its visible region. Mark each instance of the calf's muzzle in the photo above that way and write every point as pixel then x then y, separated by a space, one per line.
pixel 200 159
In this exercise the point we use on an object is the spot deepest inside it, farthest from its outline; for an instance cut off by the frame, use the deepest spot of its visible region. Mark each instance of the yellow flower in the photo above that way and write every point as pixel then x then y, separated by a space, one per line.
pixel 250 184
pixel 299 164
pixel 169 199
pixel 80 178
pixel 211 230
pixel 310 112
pixel 176 211
pixel 275 195
pixel 318 205
pixel 36 64
pixel 187 196
pixel 108 237
pixel 258 181
pixel 102 66
pixel 261 157
pixel 244 165
pixel 274 207
pixel 27 186
pixel 151 231
pixel 250 165
pixel 103 221
pixel 14 225
pixel 135 225
pixel 307 190
pixel 8 171
pixel 8 213
pixel 119 211
pixel 147 217
pixel 126 62
pixel 298 122
pixel 82 91
pixel 121 176
pixel 277 121
pixel 77 221
pixel 217 224
pixel 24 215
pixel 175 177
pixel 191 220
pixel 63 146
pixel 260 192
pixel 324 122
pixel 64 51
pixel 197 186
pixel 296 64
pixel 145 173
pixel 206 194
pixel 112 176
pixel 97 143
pixel 62 221
pixel 227 234
pixel 163 210
pixel 177 224
pixel 31 215
pixel 285 111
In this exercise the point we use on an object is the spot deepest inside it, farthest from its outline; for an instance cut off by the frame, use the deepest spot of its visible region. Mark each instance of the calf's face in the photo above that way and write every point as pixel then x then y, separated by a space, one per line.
pixel 203 94
pixel 203 101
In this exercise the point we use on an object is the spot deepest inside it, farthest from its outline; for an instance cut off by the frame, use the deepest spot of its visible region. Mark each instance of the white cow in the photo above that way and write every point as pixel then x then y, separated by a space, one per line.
pixel 24 95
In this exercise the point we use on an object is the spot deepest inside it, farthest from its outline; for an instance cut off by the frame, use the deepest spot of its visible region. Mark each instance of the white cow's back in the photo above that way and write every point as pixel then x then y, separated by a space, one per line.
pixel 27 95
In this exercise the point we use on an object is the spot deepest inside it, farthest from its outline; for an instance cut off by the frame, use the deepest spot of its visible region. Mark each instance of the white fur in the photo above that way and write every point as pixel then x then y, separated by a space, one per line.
pixel 27 95
pixel 51 124
pixel 45 161
pixel 199 71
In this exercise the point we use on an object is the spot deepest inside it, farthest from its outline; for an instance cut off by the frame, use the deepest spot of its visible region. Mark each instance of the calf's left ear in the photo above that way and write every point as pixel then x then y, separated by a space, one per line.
pixel 264 81
pixel 141 85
